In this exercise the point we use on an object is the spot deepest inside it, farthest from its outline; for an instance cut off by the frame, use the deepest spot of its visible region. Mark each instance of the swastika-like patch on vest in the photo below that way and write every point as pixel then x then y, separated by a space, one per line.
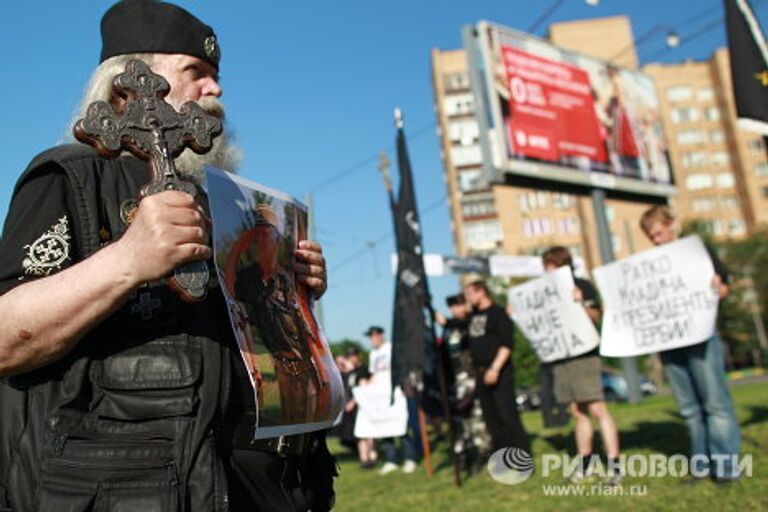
pixel 48 252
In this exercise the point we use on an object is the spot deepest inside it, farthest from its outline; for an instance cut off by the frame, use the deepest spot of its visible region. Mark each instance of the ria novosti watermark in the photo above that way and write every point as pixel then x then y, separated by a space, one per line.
pixel 512 466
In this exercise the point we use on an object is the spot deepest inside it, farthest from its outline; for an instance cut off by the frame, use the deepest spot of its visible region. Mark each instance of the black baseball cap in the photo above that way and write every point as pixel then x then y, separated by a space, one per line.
pixel 374 329
pixel 149 26
pixel 453 300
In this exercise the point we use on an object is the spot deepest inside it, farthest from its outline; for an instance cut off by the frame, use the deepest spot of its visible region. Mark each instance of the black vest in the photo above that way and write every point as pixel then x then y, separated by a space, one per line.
pixel 135 414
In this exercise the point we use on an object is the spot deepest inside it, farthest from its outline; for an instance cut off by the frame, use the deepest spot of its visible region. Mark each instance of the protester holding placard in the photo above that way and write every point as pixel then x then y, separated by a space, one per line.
pixel 696 374
pixel 578 382
pixel 491 334
pixel 380 364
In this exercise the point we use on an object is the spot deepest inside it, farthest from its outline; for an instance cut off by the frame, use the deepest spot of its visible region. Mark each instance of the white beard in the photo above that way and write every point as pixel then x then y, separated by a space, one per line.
pixel 224 154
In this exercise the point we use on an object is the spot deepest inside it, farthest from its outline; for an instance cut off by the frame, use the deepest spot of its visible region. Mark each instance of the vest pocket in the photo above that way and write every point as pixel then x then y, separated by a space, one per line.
pixel 151 381
pixel 99 477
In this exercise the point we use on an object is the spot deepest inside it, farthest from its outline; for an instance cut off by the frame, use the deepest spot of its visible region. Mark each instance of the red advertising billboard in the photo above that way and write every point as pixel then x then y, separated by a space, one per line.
pixel 562 116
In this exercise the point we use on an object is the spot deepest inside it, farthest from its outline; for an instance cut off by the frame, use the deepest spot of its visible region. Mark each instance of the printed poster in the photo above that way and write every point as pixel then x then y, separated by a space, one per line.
pixel 297 386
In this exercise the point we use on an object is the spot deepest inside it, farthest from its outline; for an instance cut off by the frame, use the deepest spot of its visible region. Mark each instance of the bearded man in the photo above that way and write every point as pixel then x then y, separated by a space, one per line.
pixel 114 393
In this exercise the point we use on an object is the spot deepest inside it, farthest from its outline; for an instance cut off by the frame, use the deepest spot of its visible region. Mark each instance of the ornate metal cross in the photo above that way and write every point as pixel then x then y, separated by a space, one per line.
pixel 151 129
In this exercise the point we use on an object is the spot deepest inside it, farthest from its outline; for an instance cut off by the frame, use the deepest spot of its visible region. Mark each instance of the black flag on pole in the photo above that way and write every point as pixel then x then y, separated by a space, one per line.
pixel 749 66
pixel 413 335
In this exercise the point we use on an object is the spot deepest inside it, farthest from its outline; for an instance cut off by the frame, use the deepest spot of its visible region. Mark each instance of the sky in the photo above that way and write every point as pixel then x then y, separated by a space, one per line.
pixel 309 88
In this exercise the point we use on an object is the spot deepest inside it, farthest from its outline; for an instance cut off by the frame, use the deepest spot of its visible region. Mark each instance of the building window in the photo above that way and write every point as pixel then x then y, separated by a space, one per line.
pixel 761 169
pixel 680 93
pixel 464 132
pixel 719 158
pixel 568 226
pixel 478 208
pixel 698 181
pixel 725 180
pixel 562 201
pixel 533 227
pixel 703 204
pixel 684 115
pixel 756 145
pixel 482 235
pixel 712 114
pixel 694 159
pixel 456 81
pixel 466 155
pixel 532 201
pixel 736 227
pixel 765 192
pixel 716 136
pixel 730 202
pixel 705 94
pixel 458 104
pixel 691 136
pixel 469 179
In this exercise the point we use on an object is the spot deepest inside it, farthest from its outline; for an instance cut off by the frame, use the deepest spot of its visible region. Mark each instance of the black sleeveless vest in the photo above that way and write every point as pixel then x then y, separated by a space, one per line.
pixel 135 413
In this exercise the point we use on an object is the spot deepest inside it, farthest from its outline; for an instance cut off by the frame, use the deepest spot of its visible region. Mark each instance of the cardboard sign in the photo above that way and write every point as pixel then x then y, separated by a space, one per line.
pixel 555 324
pixel 657 300
pixel 378 416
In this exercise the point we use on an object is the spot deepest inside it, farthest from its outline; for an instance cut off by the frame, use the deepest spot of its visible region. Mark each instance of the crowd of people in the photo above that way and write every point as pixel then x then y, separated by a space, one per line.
pixel 478 336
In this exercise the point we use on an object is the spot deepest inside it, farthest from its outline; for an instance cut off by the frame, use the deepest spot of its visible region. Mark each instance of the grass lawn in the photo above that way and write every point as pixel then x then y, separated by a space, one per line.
pixel 652 427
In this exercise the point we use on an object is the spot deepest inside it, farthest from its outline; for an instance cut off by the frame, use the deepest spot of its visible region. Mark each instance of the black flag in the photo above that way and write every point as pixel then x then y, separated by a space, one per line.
pixel 749 66
pixel 413 334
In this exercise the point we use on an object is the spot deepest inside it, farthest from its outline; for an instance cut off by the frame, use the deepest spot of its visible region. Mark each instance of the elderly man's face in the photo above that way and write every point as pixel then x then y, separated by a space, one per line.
pixel 191 79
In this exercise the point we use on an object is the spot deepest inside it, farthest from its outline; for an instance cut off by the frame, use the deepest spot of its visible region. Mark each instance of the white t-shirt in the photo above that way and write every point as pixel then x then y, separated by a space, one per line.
pixel 380 361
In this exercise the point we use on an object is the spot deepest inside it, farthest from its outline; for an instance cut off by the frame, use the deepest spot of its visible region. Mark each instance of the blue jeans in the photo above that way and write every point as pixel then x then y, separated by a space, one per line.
pixel 411 441
pixel 696 375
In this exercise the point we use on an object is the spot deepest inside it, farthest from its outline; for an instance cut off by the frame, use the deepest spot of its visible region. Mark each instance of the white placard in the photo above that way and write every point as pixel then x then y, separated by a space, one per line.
pixel 378 416
pixel 553 322
pixel 658 299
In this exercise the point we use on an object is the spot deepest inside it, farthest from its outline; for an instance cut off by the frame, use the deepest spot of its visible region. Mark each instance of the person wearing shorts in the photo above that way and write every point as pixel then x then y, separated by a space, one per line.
pixel 578 383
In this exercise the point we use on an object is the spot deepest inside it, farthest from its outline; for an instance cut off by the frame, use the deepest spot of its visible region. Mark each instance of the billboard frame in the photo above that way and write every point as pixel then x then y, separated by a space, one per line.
pixel 529 173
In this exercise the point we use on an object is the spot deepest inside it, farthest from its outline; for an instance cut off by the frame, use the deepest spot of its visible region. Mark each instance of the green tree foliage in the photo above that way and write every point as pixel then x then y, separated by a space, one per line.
pixel 341 347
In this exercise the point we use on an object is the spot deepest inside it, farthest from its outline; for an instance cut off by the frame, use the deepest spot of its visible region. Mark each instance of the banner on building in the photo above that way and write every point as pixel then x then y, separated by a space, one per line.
pixel 556 326
pixel 557 115
pixel 658 299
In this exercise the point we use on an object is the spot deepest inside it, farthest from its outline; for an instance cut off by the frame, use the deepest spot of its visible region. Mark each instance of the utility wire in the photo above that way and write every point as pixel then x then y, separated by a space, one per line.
pixel 366 162
pixel 372 243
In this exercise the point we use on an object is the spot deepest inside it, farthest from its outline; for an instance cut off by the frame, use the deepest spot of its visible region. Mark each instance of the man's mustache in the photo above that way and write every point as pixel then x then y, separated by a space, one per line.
pixel 213 106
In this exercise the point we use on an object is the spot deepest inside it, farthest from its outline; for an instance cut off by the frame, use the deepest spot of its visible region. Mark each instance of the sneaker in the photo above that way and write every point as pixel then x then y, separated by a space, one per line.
pixel 369 464
pixel 613 480
pixel 409 466
pixel 388 467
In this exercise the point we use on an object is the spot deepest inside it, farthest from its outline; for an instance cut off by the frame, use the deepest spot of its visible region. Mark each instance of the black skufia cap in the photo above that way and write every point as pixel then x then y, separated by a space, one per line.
pixel 149 26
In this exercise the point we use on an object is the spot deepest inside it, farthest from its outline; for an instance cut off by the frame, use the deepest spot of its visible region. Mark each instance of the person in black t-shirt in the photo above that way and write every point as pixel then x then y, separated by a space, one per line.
pixel 491 334
pixel 578 382
pixel 472 437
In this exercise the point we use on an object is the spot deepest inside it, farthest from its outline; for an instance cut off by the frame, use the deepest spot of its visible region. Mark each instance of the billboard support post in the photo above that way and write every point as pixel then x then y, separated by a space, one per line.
pixel 628 364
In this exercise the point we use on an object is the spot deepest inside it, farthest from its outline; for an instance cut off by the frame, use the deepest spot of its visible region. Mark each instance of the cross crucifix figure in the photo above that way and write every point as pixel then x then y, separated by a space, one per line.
pixel 151 129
